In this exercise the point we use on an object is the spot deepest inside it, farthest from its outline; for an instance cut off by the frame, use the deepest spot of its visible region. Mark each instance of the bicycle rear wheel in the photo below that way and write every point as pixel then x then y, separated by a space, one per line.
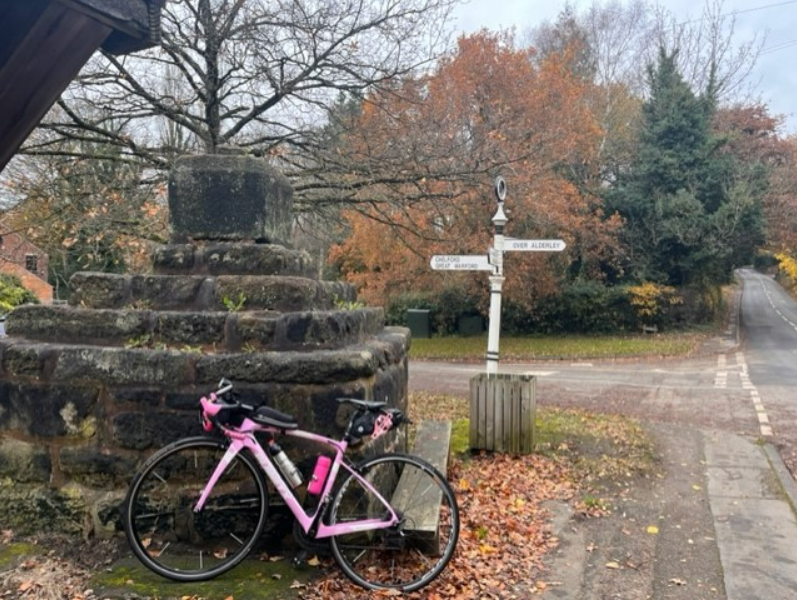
pixel 164 531
pixel 411 554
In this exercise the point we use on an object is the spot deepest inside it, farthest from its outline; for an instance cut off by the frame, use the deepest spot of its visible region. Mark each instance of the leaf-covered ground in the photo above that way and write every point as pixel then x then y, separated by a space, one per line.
pixel 504 534
pixel 505 529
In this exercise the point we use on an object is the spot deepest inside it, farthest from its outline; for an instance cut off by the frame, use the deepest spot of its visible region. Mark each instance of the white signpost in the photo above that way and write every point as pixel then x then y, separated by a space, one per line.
pixel 462 262
pixel 495 263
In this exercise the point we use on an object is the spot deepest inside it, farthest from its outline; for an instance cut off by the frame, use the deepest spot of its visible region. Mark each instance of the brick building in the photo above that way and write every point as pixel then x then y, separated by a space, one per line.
pixel 25 260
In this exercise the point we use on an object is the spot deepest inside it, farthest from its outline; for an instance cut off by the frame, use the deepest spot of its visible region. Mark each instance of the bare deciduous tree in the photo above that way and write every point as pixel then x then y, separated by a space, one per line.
pixel 622 39
pixel 262 74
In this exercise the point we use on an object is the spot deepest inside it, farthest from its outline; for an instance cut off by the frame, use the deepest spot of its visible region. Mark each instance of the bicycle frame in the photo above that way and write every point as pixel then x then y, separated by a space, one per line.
pixel 243 437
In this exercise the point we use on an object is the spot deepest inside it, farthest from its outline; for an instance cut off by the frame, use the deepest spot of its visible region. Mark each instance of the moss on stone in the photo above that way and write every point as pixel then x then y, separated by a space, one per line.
pixel 11 554
pixel 88 428
pixel 460 436
pixel 35 508
pixel 264 580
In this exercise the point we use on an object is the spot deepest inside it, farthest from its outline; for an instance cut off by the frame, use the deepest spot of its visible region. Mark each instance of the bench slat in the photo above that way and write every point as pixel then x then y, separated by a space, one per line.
pixel 421 507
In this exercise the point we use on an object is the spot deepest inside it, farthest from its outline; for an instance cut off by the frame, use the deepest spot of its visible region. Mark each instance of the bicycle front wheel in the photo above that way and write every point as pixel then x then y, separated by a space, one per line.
pixel 410 555
pixel 165 532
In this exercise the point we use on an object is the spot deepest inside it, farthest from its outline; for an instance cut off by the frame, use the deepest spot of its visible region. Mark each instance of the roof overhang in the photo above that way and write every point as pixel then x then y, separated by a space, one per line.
pixel 43 45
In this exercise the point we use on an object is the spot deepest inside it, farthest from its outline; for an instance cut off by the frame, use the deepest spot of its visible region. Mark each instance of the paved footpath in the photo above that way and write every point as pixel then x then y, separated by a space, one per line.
pixel 724 523
pixel 752 498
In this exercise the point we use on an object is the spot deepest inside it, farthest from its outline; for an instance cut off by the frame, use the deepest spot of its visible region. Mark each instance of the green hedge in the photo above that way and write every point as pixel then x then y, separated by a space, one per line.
pixel 581 307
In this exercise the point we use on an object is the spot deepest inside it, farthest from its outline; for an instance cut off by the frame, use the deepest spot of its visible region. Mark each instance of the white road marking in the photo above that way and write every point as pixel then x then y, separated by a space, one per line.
pixel 758 405
pixel 534 373
pixel 721 377
pixel 772 304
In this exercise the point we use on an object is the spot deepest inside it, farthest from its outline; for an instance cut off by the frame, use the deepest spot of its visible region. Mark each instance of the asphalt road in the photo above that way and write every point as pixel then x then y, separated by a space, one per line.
pixel 768 321
pixel 745 382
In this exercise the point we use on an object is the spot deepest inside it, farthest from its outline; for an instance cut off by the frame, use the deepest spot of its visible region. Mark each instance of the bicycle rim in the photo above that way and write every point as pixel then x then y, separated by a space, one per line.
pixel 174 541
pixel 411 555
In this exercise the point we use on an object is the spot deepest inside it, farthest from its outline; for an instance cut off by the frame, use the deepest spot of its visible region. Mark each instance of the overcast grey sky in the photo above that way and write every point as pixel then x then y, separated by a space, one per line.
pixel 776 71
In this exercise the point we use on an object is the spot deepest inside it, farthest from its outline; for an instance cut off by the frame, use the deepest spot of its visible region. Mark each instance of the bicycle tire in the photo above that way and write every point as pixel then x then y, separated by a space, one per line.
pixel 164 532
pixel 406 557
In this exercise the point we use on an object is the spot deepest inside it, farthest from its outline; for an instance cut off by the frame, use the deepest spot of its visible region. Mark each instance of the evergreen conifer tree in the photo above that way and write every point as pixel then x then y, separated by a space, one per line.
pixel 688 220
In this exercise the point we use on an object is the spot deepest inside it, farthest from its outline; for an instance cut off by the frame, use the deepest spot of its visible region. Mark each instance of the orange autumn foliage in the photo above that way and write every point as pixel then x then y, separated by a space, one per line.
pixel 487 109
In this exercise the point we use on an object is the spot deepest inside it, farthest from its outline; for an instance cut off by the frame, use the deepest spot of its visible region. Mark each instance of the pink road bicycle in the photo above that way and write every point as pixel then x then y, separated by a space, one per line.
pixel 198 506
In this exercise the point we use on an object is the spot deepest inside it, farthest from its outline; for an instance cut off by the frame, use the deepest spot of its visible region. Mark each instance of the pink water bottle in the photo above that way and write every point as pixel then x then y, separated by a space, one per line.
pixel 320 473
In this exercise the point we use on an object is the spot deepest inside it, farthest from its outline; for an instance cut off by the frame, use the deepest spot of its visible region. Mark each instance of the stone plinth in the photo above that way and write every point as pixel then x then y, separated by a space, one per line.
pixel 201 193
pixel 90 389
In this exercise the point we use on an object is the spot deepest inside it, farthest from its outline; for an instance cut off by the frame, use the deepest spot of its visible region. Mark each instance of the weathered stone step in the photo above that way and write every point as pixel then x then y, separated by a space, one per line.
pixel 39 363
pixel 225 331
pixel 232 259
pixel 195 292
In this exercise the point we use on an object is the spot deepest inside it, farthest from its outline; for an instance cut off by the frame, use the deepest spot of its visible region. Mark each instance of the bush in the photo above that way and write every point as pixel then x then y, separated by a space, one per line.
pixel 787 270
pixel 12 293
pixel 591 307
pixel 765 261
pixel 581 307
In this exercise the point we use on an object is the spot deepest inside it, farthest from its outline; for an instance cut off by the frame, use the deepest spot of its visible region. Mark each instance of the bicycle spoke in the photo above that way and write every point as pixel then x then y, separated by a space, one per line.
pixel 174 540
pixel 153 515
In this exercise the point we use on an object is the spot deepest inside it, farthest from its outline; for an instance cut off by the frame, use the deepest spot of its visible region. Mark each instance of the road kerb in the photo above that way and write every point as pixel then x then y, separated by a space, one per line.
pixel 787 482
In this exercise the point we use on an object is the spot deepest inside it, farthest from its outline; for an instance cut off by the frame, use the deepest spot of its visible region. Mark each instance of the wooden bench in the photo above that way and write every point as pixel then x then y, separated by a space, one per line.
pixel 433 444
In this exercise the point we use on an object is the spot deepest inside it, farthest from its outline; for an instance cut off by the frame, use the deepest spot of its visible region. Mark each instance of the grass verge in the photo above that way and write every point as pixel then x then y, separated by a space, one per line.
pixel 557 347
pixel 601 450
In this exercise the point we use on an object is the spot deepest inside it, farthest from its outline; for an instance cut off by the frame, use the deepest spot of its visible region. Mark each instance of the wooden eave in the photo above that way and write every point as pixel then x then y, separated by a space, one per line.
pixel 44 44
pixel 135 24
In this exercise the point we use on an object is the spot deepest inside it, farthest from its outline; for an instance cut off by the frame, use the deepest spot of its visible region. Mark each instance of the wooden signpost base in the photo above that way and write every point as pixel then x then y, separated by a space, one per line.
pixel 503 408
